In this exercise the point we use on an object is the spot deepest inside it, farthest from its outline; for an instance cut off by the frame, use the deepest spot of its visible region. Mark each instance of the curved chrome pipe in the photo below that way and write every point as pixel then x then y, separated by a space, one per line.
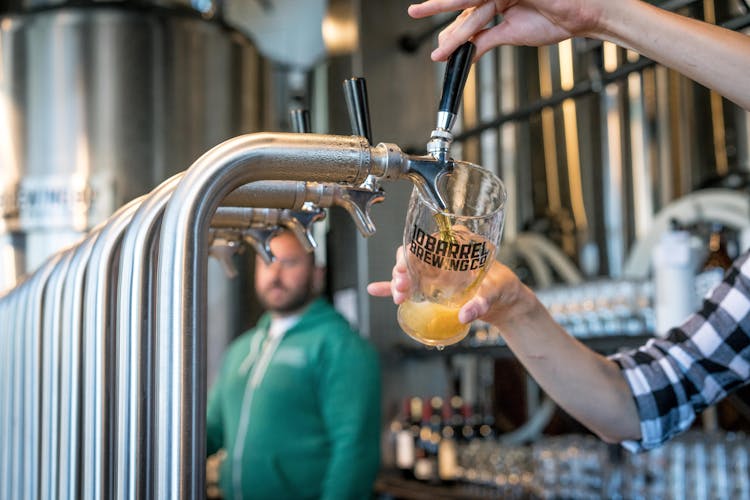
pixel 69 466
pixel 98 355
pixel 134 447
pixel 32 376
pixel 15 436
pixel 181 321
pixel 275 194
pixel 9 355
pixel 5 393
pixel 51 333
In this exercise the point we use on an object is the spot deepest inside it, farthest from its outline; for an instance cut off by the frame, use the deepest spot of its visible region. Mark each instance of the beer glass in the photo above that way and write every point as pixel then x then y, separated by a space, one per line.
pixel 448 252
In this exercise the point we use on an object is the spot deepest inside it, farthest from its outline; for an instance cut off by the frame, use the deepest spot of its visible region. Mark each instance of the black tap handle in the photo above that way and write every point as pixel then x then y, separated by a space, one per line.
pixel 355 92
pixel 300 121
pixel 456 72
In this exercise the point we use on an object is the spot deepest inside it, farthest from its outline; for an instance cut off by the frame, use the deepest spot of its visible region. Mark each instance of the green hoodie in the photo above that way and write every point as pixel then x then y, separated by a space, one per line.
pixel 314 418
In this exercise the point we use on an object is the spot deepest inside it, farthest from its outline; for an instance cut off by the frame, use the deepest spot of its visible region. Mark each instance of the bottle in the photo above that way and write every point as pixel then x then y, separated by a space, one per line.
pixel 674 279
pixel 456 419
pixel 436 414
pixel 448 449
pixel 485 426
pixel 467 419
pixel 718 256
pixel 425 463
pixel 436 435
pixel 406 438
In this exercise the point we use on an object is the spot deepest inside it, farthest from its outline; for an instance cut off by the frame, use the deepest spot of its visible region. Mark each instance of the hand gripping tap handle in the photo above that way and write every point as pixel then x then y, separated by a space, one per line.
pixel 355 92
pixel 456 73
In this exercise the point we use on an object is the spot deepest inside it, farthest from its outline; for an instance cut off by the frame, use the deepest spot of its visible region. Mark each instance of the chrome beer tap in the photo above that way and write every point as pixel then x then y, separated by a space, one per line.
pixel 296 194
pixel 359 200
pixel 425 171
pixel 355 94
pixel 257 226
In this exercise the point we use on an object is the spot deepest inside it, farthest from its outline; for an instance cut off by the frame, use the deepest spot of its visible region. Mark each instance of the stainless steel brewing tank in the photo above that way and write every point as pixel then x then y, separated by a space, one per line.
pixel 98 103
pixel 601 141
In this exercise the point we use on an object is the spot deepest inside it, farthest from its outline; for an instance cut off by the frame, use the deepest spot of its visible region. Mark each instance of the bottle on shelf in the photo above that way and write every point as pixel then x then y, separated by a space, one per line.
pixel 406 434
pixel 485 419
pixel 456 418
pixel 425 463
pixel 467 427
pixel 448 450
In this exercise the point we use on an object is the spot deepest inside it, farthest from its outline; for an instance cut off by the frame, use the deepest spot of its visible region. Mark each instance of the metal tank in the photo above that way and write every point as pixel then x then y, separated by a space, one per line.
pixel 101 101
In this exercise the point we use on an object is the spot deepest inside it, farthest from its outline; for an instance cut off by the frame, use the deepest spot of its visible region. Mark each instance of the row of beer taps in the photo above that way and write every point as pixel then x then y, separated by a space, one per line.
pixel 297 205
pixel 294 205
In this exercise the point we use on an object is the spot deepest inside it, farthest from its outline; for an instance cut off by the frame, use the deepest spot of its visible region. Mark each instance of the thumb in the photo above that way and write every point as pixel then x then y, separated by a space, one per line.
pixel 379 289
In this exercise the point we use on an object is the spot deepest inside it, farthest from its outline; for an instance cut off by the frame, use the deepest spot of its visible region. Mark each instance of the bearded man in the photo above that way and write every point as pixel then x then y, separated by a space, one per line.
pixel 296 404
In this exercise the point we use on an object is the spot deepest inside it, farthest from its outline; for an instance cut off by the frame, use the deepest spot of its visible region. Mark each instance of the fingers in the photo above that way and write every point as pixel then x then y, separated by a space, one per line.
pixel 465 27
pixel 379 289
pixel 400 285
pixel 496 293
pixel 432 7
pixel 471 311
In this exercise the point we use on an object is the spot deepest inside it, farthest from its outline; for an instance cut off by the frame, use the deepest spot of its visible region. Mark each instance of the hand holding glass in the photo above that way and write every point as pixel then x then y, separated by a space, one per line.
pixel 448 252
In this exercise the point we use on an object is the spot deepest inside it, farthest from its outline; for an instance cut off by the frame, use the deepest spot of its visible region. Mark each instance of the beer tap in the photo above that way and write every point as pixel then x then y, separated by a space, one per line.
pixel 425 171
pixel 357 201
pixel 222 247
pixel 355 94
pixel 257 226
pixel 301 222
pixel 456 73
pixel 300 119
pixel 297 194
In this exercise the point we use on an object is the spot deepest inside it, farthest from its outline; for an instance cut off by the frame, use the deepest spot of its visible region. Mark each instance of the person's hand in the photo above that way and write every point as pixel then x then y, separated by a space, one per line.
pixel 400 285
pixel 524 22
pixel 500 297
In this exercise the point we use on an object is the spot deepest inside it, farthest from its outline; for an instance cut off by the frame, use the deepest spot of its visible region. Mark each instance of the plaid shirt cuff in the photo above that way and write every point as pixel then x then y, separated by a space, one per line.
pixel 699 363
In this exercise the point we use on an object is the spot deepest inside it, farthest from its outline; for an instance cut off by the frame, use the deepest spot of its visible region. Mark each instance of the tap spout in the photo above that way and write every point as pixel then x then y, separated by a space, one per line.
pixel 425 172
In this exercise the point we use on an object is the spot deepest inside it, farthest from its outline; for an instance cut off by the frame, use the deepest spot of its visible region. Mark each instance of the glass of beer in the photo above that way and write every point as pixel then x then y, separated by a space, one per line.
pixel 448 252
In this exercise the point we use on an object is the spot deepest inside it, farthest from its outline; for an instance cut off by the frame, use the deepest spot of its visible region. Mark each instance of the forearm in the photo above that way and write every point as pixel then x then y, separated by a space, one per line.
pixel 715 57
pixel 585 384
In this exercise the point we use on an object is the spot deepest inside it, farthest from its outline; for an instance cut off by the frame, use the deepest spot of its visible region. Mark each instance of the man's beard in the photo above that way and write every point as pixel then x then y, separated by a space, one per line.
pixel 292 303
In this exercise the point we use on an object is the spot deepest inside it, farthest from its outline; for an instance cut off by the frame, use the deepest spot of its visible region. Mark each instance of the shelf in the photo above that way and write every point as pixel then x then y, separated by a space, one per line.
pixel 604 345
pixel 390 485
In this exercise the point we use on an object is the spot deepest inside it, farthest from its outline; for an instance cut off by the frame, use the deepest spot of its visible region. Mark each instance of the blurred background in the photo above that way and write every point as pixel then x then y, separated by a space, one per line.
pixel 602 152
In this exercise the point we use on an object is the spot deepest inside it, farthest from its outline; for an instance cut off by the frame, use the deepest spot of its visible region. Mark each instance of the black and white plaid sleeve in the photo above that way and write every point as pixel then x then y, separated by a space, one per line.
pixel 697 364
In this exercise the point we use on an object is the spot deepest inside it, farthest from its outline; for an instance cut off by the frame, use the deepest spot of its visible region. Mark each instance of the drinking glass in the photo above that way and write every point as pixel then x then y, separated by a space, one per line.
pixel 448 252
